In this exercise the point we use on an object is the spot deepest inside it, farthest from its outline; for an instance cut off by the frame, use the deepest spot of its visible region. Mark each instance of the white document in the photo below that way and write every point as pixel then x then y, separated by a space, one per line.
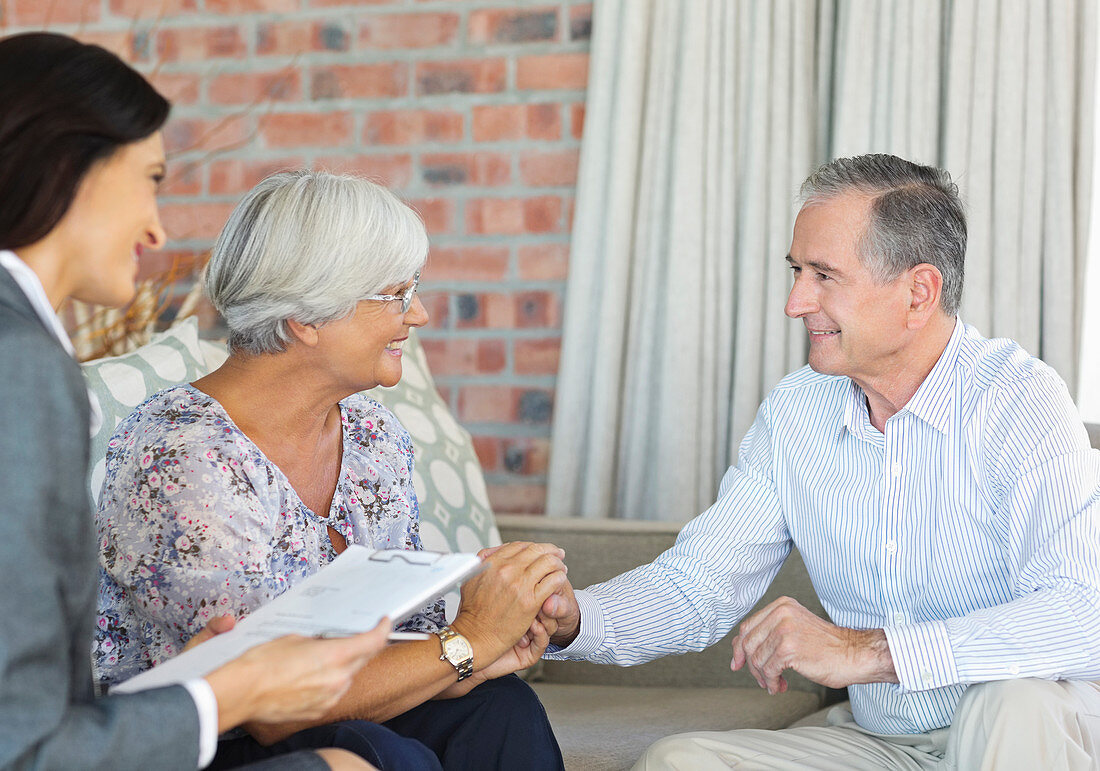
pixel 349 595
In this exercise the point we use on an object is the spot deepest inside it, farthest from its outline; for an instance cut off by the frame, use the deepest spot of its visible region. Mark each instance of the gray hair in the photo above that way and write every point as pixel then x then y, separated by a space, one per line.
pixel 308 246
pixel 916 216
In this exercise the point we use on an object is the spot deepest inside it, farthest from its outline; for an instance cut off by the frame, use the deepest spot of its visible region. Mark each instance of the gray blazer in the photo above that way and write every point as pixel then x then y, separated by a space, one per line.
pixel 49 717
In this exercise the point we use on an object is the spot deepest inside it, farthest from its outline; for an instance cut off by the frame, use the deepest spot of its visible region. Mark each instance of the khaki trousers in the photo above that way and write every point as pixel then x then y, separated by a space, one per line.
pixel 1012 725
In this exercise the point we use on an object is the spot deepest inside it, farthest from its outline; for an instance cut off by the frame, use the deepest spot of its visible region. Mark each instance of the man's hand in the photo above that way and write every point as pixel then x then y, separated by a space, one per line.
pixel 217 625
pixel 785 635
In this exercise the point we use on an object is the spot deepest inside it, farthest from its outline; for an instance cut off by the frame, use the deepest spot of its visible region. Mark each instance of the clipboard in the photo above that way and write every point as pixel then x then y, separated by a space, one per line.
pixel 349 595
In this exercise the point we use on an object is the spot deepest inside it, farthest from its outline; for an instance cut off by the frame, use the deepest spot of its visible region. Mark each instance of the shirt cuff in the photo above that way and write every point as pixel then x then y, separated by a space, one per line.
pixel 591 634
pixel 207 705
pixel 922 655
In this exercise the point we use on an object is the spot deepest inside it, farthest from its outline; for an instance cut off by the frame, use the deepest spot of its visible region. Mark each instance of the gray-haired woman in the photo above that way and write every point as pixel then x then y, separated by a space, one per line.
pixel 255 476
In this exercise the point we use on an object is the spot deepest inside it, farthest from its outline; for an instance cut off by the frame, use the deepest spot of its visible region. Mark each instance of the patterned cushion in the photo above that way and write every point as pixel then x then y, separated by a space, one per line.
pixel 123 382
pixel 454 506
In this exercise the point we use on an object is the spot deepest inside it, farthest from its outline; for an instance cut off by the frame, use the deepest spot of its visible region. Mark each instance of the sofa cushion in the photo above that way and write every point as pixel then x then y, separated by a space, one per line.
pixel 121 383
pixel 605 728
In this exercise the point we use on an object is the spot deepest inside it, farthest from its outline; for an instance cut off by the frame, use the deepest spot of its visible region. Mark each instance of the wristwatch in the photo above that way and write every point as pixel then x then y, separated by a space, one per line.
pixel 456 650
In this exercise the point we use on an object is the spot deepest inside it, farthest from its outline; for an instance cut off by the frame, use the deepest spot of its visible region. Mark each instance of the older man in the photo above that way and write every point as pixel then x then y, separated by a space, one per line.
pixel 941 491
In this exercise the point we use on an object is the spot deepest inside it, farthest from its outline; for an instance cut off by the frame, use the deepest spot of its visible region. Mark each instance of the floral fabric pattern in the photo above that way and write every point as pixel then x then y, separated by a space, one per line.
pixel 195 522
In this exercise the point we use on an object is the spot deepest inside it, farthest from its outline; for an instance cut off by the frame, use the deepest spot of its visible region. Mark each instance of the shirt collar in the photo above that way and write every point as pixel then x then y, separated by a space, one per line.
pixel 933 401
pixel 32 287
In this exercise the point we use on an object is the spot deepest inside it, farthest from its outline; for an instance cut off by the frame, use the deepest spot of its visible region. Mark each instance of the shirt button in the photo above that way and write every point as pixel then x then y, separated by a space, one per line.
pixel 899 618
pixel 896 469
pixel 926 675
pixel 1014 669
pixel 891 547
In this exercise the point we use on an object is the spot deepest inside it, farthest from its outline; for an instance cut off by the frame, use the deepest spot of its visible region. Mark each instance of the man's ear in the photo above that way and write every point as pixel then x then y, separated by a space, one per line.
pixel 925 288
pixel 304 333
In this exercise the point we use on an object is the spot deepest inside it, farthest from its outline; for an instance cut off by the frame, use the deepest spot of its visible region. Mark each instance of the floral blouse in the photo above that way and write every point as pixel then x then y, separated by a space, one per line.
pixel 195 522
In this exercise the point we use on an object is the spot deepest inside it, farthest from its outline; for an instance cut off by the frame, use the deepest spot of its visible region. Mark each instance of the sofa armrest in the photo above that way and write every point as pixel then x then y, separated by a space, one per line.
pixel 599 549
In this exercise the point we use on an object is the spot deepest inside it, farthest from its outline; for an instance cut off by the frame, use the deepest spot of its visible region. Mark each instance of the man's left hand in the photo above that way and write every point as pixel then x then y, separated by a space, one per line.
pixel 785 635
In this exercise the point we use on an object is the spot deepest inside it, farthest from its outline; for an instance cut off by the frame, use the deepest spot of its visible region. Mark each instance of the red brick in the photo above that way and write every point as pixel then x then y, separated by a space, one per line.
pixel 464 356
pixel 493 123
pixel 542 215
pixel 511 26
pixel 476 169
pixel 543 121
pixel 537 357
pixel 492 310
pixel 393 171
pixel 487 403
pixel 256 87
pixel 182 134
pixel 337 3
pixel 554 169
pixel 199 44
pixel 295 129
pixel 361 81
pixel 234 176
pixel 408 30
pixel 492 357
pixel 194 220
pixel 407 127
pixel 437 213
pixel 469 76
pixel 120 42
pixel 288 38
pixel 538 309
pixel 543 262
pixel 45 13
pixel 527 455
pixel 252 6
pixel 157 9
pixel 576 120
pixel 488 449
pixel 494 216
pixel 468 263
pixel 517 498
pixel 182 179
pixel 580 22
pixel 158 264
pixel 177 88
pixel 552 71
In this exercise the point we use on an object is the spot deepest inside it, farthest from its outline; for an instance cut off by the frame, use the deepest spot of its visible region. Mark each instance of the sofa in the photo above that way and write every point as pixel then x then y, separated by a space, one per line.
pixel 604 716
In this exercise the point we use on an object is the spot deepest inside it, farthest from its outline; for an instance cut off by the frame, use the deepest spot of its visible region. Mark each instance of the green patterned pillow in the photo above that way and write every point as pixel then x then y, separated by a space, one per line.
pixel 121 383
pixel 454 506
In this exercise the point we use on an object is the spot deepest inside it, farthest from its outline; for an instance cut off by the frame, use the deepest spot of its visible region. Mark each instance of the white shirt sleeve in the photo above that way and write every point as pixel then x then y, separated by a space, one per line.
pixel 207 705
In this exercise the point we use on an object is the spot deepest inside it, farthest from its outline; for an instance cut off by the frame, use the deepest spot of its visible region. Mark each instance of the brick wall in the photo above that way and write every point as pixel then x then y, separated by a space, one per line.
pixel 472 110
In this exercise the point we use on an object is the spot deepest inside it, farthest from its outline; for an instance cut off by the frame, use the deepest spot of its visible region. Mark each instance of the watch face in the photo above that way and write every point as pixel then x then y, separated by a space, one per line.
pixel 458 649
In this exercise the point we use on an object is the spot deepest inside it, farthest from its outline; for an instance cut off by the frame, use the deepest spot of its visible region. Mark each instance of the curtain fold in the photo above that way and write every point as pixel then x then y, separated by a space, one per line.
pixel 703 118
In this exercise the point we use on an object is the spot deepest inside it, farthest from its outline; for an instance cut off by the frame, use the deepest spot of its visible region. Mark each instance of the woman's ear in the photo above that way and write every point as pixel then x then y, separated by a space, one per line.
pixel 303 333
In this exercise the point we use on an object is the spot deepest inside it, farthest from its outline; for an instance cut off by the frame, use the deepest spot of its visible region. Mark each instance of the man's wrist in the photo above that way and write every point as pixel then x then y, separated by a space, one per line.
pixel 872 652
pixel 564 640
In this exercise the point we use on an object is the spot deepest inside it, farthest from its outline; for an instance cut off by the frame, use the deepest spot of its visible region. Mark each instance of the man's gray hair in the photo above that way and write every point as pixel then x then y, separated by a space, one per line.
pixel 916 216
pixel 308 246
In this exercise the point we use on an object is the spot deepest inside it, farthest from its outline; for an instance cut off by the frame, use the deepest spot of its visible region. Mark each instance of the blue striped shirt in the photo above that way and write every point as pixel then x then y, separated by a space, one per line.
pixel 969 531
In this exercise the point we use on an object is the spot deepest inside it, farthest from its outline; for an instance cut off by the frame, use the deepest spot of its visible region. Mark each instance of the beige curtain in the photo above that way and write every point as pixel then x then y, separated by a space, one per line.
pixel 703 118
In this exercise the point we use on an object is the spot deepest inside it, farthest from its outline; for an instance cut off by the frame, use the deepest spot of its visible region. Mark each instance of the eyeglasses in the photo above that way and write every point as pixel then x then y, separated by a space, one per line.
pixel 405 297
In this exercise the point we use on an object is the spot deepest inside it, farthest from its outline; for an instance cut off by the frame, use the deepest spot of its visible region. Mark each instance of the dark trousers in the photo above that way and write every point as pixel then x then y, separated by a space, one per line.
pixel 499 725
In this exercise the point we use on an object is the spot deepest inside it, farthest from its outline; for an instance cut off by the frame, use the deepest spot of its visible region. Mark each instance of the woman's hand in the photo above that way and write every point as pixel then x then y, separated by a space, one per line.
pixel 218 625
pixel 500 603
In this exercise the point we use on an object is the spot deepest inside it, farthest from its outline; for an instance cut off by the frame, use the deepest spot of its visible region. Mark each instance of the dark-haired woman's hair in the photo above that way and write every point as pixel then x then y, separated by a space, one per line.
pixel 63 106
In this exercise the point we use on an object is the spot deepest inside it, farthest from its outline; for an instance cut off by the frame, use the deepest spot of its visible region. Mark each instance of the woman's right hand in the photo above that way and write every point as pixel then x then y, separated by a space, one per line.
pixel 292 678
